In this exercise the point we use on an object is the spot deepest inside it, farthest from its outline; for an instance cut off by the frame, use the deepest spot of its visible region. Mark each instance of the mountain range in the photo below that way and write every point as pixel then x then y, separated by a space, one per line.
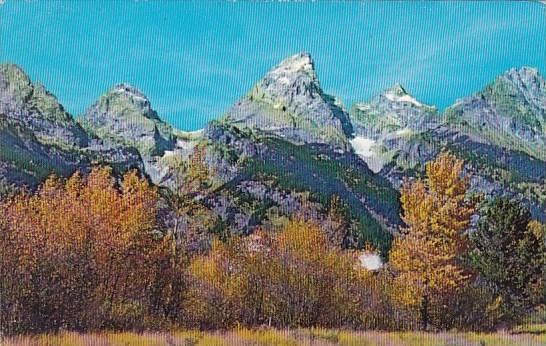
pixel 288 147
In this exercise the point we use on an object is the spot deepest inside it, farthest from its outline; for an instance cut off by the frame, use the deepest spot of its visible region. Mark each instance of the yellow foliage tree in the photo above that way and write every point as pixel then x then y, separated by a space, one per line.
pixel 427 254
pixel 81 254
pixel 291 278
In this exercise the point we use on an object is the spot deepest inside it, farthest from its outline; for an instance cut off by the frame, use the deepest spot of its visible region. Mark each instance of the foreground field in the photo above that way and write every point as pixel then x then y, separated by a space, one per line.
pixel 275 337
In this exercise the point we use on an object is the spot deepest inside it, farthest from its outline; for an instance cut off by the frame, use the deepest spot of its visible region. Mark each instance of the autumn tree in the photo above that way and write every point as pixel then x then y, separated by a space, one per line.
pixel 192 218
pixel 308 274
pixel 220 289
pixel 82 253
pixel 293 278
pixel 509 253
pixel 426 255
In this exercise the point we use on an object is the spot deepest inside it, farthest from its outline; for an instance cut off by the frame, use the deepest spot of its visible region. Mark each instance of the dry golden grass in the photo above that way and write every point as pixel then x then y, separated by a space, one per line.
pixel 316 337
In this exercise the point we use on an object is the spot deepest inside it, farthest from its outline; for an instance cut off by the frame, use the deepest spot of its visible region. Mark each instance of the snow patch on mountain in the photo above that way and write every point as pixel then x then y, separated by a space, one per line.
pixel 363 147
pixel 404 98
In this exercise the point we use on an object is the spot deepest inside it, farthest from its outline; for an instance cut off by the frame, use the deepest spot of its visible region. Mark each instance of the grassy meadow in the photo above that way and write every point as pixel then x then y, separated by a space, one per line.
pixel 525 336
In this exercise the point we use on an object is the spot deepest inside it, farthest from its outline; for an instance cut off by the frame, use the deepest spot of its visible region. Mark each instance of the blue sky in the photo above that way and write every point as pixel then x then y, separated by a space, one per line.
pixel 195 59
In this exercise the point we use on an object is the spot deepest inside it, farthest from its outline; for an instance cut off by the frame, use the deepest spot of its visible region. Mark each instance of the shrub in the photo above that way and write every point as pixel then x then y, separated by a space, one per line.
pixel 76 247
pixel 293 278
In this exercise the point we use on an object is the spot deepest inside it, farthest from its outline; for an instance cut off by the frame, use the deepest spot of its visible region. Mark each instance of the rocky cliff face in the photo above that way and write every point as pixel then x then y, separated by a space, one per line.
pixel 38 110
pixel 509 112
pixel 386 128
pixel 124 117
pixel 391 112
pixel 38 137
pixel 289 103
pixel 265 178
pixel 499 132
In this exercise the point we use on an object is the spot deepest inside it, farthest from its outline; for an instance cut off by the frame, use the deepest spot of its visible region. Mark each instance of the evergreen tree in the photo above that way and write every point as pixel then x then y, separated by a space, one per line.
pixel 509 254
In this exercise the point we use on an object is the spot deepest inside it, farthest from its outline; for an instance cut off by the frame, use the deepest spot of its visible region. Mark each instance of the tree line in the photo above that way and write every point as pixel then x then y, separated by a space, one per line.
pixel 91 253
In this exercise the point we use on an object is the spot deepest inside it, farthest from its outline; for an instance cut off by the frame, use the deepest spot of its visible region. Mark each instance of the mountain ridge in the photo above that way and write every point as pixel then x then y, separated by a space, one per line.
pixel 498 131
pixel 286 147
pixel 39 137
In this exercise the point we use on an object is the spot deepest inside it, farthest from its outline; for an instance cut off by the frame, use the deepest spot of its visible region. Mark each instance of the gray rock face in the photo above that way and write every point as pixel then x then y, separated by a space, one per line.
pixel 386 129
pixel 124 116
pixel 38 137
pixel 118 157
pixel 24 161
pixel 289 102
pixel 510 112
pixel 264 178
pixel 499 132
pixel 228 149
pixel 38 110
pixel 392 111
pixel 528 83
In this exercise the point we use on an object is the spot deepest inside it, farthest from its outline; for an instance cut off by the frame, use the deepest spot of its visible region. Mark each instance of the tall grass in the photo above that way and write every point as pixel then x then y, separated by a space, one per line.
pixel 316 337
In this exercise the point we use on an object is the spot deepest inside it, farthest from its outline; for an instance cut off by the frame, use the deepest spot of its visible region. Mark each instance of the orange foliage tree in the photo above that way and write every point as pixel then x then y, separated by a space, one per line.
pixel 291 278
pixel 82 254
pixel 427 254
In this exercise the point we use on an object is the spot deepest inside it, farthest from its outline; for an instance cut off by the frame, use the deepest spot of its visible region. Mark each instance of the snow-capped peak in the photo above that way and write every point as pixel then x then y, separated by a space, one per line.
pixel 398 94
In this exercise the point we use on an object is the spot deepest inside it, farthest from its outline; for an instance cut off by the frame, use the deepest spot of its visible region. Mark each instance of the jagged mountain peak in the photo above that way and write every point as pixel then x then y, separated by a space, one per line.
pixel 129 91
pixel 292 78
pixel 9 66
pixel 33 106
pixel 397 89
pixel 524 80
pixel 289 102
pixel 295 66
pixel 125 99
pixel 124 115
pixel 14 80
pixel 16 88
pixel 399 94
pixel 525 84
pixel 524 73
pixel 510 111
pixel 393 111
pixel 13 72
